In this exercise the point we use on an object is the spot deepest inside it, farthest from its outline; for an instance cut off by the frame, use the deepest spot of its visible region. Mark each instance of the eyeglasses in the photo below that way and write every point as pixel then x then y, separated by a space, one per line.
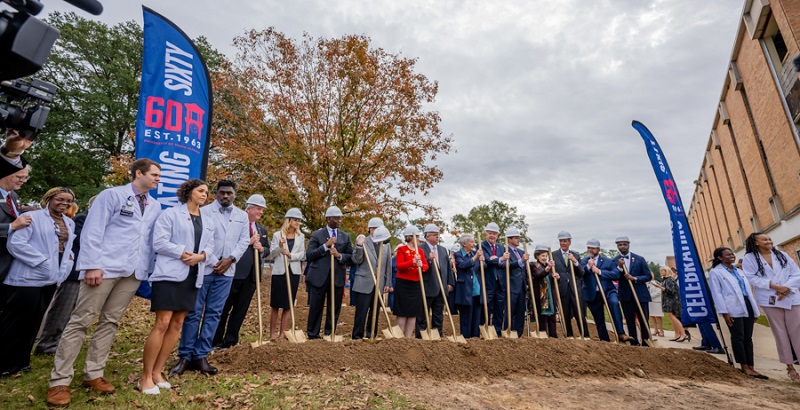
pixel 22 178
pixel 63 201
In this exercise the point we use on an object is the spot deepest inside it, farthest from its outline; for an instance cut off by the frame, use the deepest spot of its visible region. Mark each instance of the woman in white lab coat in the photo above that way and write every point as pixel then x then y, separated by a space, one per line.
pixel 734 300
pixel 182 241
pixel 42 259
pixel 776 279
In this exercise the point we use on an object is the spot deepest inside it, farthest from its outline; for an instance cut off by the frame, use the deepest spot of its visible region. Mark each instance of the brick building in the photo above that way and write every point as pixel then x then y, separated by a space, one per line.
pixel 750 177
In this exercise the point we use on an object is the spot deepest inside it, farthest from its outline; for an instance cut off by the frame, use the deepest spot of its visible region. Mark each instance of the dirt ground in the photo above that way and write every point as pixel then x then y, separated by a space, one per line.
pixel 522 373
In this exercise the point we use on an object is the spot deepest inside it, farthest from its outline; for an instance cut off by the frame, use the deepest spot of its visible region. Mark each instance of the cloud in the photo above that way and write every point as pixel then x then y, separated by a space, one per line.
pixel 539 95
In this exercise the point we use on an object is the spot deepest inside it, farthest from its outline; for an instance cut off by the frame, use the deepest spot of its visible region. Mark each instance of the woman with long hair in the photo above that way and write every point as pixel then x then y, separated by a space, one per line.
pixel 288 243
pixel 671 304
pixel 735 302
pixel 182 241
pixel 42 259
pixel 776 280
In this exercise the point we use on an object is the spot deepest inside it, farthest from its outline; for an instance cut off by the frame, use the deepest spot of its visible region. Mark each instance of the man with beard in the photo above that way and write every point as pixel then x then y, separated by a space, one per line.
pixel 638 274
pixel 595 265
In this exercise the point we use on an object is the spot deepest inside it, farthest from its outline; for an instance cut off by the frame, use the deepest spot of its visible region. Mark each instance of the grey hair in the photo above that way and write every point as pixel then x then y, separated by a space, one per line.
pixel 463 239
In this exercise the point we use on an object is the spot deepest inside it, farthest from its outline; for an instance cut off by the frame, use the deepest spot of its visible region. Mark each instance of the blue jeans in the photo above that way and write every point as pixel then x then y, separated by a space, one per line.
pixel 196 338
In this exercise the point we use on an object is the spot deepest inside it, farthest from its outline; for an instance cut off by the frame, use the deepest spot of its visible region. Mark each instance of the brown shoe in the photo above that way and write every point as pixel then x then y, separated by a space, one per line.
pixel 100 385
pixel 624 338
pixel 58 396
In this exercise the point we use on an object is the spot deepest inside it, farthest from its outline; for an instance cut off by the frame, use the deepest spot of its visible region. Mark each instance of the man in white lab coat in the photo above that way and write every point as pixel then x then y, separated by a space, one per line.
pixel 116 254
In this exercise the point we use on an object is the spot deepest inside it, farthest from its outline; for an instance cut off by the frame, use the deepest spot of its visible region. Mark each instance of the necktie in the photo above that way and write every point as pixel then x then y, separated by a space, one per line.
pixel 566 257
pixel 224 209
pixel 251 230
pixel 10 205
pixel 516 253
pixel 334 233
pixel 142 199
pixel 494 250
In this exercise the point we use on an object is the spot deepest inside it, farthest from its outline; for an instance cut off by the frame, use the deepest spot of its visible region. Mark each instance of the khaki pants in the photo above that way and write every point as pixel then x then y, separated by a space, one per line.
pixel 108 301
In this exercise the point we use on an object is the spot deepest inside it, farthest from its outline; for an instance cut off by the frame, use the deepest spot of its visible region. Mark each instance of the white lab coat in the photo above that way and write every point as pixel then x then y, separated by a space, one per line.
pixel 231 235
pixel 298 252
pixel 173 234
pixel 788 276
pixel 728 296
pixel 116 237
pixel 35 251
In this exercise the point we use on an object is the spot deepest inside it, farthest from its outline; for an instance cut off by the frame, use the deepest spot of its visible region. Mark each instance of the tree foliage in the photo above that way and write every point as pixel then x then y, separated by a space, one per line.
pixel 315 122
pixel 501 213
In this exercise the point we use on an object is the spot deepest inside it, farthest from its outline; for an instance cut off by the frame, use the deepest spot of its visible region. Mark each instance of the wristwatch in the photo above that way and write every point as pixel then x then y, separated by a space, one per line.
pixel 233 259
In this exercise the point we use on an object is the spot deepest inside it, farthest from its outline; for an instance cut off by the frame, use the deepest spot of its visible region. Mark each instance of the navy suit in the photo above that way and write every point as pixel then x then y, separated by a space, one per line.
pixel 641 273
pixel 565 287
pixel 470 308
pixel 593 298
pixel 518 279
pixel 495 283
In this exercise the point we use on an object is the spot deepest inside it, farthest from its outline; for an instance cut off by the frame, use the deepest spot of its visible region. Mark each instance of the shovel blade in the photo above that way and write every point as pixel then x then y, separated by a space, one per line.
pixel 433 334
pixel 397 332
pixel 488 333
pixel 258 343
pixel 334 338
pixel 387 334
pixel 296 336
pixel 510 334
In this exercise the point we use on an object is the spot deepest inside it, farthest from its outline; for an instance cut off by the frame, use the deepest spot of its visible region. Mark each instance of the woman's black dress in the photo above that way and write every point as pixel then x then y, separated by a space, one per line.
pixel 179 296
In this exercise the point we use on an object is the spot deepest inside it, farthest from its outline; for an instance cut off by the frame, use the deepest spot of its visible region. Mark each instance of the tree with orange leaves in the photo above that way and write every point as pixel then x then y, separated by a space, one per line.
pixel 316 122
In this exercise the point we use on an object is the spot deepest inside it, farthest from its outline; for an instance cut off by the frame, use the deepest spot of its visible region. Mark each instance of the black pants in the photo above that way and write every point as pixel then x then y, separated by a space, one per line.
pixel 363 320
pixel 489 294
pixel 571 307
pixel 318 298
pixel 547 323
pixel 470 318
pixel 742 337
pixel 631 312
pixel 597 307
pixel 436 305
pixel 234 312
pixel 20 318
pixel 497 308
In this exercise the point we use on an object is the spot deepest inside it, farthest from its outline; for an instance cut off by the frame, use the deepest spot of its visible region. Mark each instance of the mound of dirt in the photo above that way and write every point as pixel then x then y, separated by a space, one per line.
pixel 477 359
pixel 450 361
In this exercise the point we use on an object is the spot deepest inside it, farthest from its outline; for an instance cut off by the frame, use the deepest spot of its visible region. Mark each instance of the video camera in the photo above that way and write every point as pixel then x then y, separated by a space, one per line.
pixel 25 44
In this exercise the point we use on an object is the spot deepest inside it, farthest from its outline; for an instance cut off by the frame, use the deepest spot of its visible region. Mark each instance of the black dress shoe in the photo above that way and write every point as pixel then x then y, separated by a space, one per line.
pixel 715 351
pixel 703 348
pixel 14 370
pixel 203 366
pixel 182 366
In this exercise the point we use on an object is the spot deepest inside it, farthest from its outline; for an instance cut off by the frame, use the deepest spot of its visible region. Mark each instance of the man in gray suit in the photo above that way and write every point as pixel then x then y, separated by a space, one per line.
pixel 562 258
pixel 436 254
pixel 363 286
pixel 324 244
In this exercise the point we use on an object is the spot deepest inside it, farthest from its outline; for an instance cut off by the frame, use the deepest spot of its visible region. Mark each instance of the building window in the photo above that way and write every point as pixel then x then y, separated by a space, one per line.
pixel 780 46
pixel 776 46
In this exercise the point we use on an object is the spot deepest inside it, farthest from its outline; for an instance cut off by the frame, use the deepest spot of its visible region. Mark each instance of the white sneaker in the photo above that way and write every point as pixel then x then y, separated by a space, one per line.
pixel 164 385
pixel 151 391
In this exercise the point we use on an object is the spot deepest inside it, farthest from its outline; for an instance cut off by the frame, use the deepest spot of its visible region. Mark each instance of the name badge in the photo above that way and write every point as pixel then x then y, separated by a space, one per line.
pixel 125 212
pixel 772 300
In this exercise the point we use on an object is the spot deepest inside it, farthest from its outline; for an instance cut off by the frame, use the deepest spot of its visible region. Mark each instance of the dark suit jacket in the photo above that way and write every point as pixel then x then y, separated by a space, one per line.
pixel 565 282
pixel 319 259
pixel 5 222
pixel 517 273
pixel 445 270
pixel 607 278
pixel 638 270
pixel 467 271
pixel 493 269
pixel 244 266
pixel 79 219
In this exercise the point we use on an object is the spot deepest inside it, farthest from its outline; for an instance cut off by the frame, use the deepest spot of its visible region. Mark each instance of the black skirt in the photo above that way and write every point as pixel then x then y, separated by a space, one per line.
pixel 407 298
pixel 175 296
pixel 279 298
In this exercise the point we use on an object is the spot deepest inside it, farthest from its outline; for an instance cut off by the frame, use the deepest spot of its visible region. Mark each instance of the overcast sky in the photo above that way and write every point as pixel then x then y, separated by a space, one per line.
pixel 538 95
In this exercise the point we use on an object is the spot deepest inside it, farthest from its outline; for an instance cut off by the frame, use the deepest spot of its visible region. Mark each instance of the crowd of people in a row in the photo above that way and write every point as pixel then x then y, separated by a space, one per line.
pixel 202 263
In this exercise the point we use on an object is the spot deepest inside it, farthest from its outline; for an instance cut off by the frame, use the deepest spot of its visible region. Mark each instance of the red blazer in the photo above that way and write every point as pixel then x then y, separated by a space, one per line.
pixel 406 269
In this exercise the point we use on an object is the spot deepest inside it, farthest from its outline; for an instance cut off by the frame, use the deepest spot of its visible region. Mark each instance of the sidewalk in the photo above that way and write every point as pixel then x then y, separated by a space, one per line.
pixel 765 352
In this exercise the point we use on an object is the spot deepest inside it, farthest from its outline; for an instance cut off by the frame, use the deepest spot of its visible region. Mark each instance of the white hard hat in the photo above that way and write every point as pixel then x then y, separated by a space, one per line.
pixel 410 230
pixel 455 248
pixel 592 243
pixel 512 232
pixel 294 213
pixel 431 228
pixel 375 222
pixel 333 211
pixel 381 234
pixel 540 248
pixel 492 227
pixel 257 200
pixel 622 239
pixel 564 235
